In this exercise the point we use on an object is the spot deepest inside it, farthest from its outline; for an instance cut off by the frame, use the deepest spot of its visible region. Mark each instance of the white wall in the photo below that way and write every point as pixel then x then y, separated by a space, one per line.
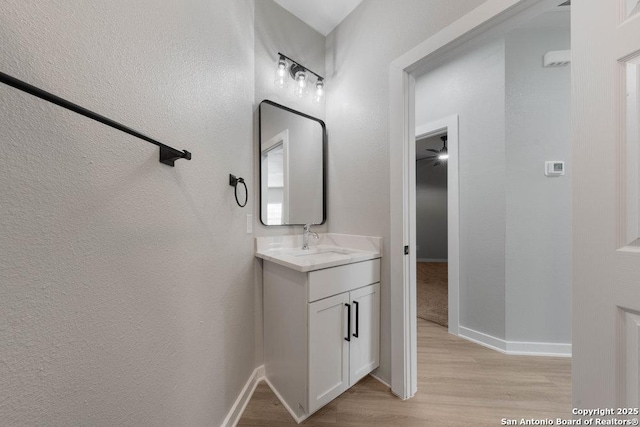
pixel 277 30
pixel 538 243
pixel 359 52
pixel 451 89
pixel 431 205
pixel 126 286
pixel 515 252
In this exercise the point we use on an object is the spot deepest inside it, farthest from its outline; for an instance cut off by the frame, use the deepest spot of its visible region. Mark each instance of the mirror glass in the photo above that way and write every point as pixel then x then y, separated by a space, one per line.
pixel 292 182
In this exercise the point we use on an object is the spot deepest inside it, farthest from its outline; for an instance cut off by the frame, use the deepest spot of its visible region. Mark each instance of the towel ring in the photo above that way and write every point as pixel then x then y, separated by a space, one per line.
pixel 233 181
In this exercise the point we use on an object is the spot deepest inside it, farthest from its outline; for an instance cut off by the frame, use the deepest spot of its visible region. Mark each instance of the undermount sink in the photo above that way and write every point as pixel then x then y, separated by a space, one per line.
pixel 320 251
pixel 332 250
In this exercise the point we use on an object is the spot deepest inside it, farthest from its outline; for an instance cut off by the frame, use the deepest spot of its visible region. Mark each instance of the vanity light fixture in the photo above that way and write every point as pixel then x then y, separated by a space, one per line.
pixel 319 95
pixel 301 77
pixel 301 84
pixel 282 79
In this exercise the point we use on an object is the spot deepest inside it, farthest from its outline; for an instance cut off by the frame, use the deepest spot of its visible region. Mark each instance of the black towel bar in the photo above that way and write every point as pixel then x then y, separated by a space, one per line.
pixel 168 155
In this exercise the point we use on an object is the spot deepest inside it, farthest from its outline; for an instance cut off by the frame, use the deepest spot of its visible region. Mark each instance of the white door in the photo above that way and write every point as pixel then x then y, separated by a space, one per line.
pixel 606 250
pixel 328 349
pixel 364 352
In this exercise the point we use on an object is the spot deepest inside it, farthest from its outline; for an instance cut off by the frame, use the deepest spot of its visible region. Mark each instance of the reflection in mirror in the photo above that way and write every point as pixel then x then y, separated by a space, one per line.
pixel 632 151
pixel 275 176
pixel 631 7
pixel 291 167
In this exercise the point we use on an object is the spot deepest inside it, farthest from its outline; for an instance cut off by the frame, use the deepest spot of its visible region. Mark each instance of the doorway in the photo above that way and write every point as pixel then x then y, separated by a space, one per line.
pixel 435 192
pixel 432 303
pixel 484 22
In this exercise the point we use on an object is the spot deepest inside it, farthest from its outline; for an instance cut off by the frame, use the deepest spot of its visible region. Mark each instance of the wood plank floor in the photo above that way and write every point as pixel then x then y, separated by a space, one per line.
pixel 459 384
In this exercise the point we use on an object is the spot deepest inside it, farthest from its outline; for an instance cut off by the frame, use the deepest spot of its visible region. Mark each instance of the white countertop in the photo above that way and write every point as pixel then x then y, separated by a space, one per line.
pixel 331 250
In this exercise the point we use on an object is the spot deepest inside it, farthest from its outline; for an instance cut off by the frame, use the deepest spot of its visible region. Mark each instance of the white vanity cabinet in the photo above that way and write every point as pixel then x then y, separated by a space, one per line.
pixel 321 331
pixel 342 351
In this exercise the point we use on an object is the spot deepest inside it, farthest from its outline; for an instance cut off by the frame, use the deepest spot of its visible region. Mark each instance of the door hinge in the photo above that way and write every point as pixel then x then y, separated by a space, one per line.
pixel 406 250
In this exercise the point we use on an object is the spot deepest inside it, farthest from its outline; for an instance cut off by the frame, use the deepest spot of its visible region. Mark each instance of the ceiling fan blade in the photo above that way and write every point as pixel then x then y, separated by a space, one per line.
pixel 437 164
pixel 432 150
pixel 425 158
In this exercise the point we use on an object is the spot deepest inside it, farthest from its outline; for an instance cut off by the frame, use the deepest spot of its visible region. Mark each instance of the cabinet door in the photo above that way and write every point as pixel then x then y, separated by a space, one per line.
pixel 328 350
pixel 365 332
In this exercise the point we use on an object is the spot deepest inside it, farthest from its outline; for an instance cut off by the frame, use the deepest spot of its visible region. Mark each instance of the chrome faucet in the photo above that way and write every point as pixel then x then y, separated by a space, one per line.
pixel 306 232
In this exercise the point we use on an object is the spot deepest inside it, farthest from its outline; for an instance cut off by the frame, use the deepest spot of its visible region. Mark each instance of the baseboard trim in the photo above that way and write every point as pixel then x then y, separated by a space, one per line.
pixel 289 410
pixel 516 348
pixel 483 339
pixel 538 349
pixel 258 375
pixel 380 380
pixel 431 260
pixel 234 415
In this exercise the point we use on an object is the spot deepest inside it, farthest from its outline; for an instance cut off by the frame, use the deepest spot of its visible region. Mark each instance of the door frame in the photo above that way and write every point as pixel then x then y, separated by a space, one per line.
pixel 280 139
pixel 450 125
pixel 490 18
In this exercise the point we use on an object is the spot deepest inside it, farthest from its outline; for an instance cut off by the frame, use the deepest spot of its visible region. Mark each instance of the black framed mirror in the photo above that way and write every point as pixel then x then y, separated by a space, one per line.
pixel 292 157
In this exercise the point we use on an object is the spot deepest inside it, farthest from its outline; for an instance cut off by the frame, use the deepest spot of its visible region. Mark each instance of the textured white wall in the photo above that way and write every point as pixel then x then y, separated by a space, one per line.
pixel 453 88
pixel 359 52
pixel 538 240
pixel 277 30
pixel 126 286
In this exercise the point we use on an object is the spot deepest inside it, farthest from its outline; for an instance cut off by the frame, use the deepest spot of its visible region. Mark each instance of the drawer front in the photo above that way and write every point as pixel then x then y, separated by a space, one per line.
pixel 335 280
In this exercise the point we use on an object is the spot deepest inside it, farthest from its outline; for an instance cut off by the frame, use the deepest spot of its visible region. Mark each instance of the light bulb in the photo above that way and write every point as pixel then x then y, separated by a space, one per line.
pixel 443 156
pixel 282 80
pixel 300 89
pixel 319 95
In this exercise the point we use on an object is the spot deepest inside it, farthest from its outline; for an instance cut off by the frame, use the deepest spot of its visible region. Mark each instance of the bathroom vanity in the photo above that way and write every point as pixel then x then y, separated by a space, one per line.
pixel 321 316
pixel 321 303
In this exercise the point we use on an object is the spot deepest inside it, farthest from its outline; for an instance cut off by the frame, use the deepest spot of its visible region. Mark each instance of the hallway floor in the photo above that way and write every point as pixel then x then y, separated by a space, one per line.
pixel 459 384
pixel 432 291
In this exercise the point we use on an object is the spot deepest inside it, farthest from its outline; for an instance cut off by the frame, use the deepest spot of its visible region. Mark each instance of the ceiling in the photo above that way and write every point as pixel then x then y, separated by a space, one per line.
pixel 323 16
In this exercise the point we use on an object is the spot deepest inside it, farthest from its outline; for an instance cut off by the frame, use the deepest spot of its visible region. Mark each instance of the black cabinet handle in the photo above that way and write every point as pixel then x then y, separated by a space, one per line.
pixel 348 338
pixel 357 317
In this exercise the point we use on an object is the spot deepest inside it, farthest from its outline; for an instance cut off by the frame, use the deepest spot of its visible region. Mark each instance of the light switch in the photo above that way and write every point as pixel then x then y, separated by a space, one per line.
pixel 249 223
